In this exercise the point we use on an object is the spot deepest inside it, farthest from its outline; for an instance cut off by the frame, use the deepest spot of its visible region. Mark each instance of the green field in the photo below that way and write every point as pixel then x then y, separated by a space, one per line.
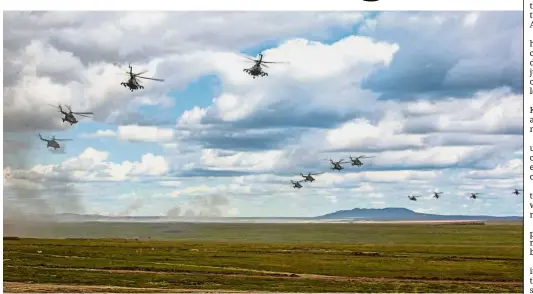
pixel 174 257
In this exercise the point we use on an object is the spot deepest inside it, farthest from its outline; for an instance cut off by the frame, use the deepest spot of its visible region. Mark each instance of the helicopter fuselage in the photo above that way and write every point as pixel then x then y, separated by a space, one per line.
pixel 52 144
pixel 336 166
pixel 357 163
pixel 132 84
pixel 69 117
pixel 255 71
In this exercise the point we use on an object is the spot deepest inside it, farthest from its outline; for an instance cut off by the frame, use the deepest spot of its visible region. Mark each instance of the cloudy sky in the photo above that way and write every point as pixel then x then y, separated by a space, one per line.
pixel 435 97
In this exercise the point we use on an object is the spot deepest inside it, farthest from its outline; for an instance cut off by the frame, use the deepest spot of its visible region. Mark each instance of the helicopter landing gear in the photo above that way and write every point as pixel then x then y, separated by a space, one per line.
pixel 123 84
pixel 142 87
pixel 264 74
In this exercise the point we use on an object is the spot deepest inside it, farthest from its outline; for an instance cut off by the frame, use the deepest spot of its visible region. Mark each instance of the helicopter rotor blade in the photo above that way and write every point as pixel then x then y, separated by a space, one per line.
pixel 142 72
pixel 250 59
pixel 275 62
pixel 63 139
pixel 58 107
pixel 82 113
pixel 153 79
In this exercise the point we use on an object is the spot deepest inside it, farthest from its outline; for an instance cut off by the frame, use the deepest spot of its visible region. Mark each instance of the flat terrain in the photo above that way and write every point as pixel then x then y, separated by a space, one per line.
pixel 178 257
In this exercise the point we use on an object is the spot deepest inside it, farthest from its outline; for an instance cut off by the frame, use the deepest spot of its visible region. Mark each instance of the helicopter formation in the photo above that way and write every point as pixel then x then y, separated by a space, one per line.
pixel 437 195
pixel 356 161
pixel 69 116
pixel 335 165
pixel 133 83
pixel 257 71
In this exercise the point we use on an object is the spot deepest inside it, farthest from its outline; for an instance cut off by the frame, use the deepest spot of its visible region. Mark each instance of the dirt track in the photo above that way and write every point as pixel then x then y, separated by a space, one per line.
pixel 13 287
pixel 287 275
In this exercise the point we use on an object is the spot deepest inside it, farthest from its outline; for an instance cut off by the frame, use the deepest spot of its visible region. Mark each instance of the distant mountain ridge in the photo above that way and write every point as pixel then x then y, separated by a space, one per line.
pixel 397 213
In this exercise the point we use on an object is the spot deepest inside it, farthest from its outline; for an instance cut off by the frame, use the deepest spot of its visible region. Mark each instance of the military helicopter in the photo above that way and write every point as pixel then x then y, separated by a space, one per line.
pixel 133 83
pixel 474 195
pixel 412 198
pixel 296 185
pixel 309 177
pixel 437 194
pixel 516 192
pixel 357 161
pixel 256 70
pixel 52 142
pixel 337 165
pixel 69 116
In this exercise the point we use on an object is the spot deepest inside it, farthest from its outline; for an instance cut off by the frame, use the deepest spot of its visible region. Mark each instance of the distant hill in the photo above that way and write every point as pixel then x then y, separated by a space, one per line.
pixel 396 213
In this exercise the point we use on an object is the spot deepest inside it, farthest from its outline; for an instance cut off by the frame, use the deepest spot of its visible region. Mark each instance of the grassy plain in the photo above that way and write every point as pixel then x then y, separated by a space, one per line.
pixel 267 257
